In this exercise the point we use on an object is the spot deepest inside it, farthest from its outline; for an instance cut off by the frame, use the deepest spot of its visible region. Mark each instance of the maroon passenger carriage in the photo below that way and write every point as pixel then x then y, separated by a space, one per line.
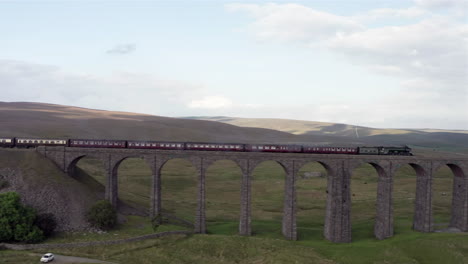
pixel 273 148
pixel 155 145
pixel 97 143
pixel 214 146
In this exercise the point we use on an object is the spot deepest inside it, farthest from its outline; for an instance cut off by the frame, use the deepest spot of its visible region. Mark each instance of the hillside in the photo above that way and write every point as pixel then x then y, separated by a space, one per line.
pixel 303 127
pixel 21 119
pixel 430 138
pixel 43 186
pixel 47 120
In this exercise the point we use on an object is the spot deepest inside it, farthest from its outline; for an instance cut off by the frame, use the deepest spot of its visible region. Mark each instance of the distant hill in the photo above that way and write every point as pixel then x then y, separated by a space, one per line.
pixel 301 127
pixel 23 119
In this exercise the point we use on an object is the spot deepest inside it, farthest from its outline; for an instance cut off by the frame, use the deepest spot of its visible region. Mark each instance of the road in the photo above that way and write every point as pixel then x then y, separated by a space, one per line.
pixel 60 259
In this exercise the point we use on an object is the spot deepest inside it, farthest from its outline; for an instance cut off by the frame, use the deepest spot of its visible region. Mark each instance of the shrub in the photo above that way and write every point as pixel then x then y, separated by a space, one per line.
pixel 102 215
pixel 47 223
pixel 17 221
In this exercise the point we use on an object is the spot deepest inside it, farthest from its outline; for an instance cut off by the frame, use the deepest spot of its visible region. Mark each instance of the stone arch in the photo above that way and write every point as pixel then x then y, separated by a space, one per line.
pixel 379 165
pixel 119 159
pixel 405 177
pixel 223 194
pixel 266 207
pixel 133 202
pixel 209 161
pixel 383 221
pixel 459 191
pixel 72 161
pixel 94 176
pixel 311 214
pixel 179 185
pixel 255 162
pixel 455 167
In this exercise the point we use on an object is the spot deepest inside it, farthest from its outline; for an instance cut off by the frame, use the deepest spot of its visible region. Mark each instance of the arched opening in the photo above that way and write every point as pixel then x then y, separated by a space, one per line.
pixel 179 183
pixel 91 172
pixel 442 195
pixel 222 185
pixel 404 197
pixel 267 186
pixel 311 193
pixel 134 186
pixel 364 182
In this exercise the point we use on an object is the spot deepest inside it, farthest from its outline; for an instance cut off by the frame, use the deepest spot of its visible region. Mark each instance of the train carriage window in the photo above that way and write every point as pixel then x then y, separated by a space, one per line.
pixel 178 145
pixel 260 147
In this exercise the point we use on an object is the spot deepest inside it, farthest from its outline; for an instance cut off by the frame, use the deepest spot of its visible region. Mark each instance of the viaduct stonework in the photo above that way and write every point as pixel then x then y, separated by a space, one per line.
pixel 337 226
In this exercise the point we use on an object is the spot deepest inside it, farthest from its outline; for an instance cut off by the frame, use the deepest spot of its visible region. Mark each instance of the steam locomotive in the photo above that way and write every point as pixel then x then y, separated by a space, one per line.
pixel 204 146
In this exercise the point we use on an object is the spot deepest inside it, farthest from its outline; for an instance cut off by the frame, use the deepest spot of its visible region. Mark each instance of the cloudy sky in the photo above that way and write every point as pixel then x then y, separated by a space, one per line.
pixel 379 63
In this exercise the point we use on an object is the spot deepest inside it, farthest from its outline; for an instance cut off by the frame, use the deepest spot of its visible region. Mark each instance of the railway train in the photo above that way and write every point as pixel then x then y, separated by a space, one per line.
pixel 204 146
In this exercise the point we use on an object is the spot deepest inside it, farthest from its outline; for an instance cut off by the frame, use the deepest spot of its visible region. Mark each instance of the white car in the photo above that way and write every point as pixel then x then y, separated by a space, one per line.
pixel 47 257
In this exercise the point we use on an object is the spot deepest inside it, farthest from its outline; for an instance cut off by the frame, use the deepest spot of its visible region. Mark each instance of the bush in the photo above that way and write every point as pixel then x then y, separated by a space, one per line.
pixel 17 221
pixel 47 223
pixel 102 215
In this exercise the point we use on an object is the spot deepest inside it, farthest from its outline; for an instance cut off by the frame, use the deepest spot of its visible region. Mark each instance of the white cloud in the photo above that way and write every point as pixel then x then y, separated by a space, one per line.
pixel 122 49
pixel 293 22
pixel 211 102
pixel 441 3
pixel 431 49
pixel 430 57
pixel 382 13
pixel 135 92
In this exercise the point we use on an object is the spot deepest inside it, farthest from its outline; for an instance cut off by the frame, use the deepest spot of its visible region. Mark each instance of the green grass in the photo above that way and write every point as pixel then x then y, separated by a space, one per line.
pixel 223 245
pixel 23 257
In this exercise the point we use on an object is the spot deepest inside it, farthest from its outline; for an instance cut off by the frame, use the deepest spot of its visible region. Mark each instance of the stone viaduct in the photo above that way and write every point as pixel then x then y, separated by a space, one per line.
pixel 337 226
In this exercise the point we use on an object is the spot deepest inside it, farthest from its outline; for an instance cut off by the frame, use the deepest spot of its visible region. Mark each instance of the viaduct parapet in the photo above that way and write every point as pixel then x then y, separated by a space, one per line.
pixel 337 226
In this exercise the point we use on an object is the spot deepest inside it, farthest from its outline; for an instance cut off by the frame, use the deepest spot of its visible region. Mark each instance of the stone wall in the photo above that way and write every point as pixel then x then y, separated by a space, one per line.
pixel 91 243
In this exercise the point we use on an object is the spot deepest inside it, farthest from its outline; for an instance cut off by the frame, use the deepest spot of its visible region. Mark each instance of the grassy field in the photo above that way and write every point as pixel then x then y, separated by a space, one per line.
pixel 223 245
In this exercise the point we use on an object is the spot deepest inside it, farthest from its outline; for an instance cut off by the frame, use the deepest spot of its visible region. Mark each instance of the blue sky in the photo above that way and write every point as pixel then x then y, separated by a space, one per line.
pixel 373 63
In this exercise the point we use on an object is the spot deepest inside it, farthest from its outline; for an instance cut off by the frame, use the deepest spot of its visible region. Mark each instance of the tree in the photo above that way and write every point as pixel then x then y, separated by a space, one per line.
pixel 17 221
pixel 102 215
